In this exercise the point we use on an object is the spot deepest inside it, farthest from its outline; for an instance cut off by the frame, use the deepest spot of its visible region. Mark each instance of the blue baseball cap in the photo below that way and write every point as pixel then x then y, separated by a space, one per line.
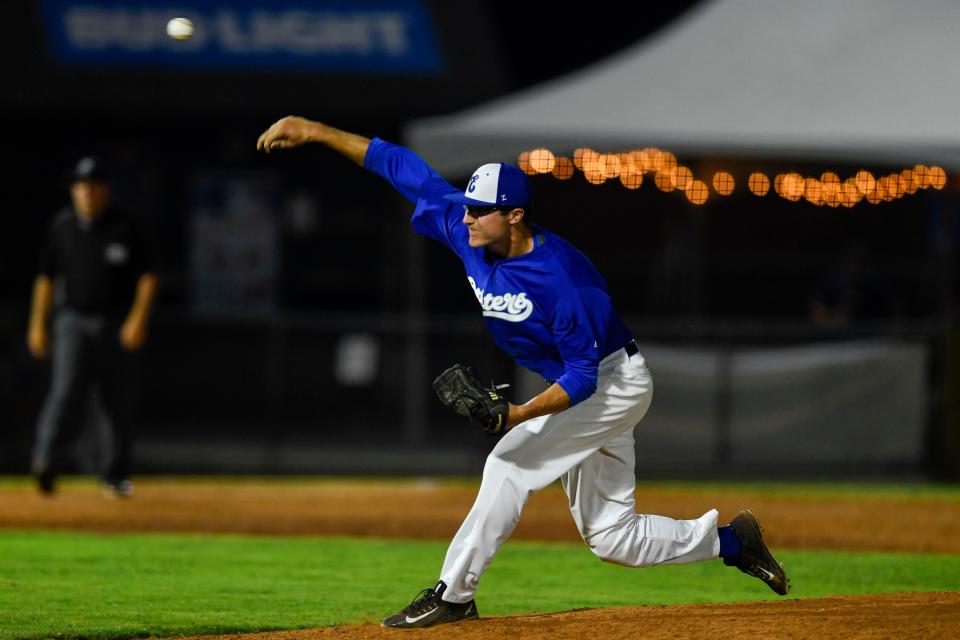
pixel 495 184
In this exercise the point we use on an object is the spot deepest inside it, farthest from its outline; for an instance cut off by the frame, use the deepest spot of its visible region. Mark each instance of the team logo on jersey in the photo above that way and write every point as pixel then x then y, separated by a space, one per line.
pixel 116 253
pixel 513 307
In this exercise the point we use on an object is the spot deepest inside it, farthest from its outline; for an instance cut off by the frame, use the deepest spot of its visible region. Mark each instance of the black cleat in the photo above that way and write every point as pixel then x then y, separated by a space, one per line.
pixel 45 481
pixel 428 609
pixel 755 559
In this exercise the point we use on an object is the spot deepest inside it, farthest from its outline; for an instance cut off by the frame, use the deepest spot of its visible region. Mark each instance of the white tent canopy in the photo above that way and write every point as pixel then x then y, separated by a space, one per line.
pixel 872 81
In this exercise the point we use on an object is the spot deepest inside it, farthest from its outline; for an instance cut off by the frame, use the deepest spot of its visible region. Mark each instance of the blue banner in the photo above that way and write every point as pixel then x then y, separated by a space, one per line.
pixel 391 37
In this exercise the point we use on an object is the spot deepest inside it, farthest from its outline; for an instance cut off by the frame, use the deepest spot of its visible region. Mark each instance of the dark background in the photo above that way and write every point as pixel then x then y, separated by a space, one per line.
pixel 741 270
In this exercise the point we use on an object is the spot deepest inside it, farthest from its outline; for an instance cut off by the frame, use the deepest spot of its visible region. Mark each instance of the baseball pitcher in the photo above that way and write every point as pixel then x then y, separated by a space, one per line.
pixel 546 305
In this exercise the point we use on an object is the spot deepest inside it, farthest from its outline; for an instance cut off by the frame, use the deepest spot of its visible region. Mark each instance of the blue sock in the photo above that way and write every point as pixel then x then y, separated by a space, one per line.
pixel 730 545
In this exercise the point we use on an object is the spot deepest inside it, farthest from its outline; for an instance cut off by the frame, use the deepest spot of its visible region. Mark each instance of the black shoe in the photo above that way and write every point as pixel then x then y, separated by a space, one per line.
pixel 46 482
pixel 118 489
pixel 755 559
pixel 428 609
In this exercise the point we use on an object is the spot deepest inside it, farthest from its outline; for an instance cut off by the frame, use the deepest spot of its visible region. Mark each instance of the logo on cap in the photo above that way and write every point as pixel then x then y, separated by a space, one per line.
pixel 495 183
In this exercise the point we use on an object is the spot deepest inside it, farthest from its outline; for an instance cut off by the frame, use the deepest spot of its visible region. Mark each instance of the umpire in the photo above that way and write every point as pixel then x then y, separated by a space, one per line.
pixel 103 269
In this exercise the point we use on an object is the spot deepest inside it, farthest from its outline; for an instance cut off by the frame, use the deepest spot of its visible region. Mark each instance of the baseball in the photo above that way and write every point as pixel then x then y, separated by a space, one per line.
pixel 180 28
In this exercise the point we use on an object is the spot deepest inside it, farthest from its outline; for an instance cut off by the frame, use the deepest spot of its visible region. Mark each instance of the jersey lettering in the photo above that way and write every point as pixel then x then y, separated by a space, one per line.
pixel 512 307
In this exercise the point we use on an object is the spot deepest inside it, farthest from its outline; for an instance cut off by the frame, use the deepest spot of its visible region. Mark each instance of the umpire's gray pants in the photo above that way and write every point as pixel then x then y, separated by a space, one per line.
pixel 87 357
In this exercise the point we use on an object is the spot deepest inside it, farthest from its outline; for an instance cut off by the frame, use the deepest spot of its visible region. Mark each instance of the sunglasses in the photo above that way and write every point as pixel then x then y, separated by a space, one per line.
pixel 477 211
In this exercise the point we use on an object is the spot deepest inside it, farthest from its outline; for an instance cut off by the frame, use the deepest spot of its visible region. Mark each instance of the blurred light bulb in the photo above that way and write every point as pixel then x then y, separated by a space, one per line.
pixel 911 184
pixel 609 165
pixel 563 169
pixel 758 183
pixel 682 178
pixel 630 176
pixel 664 181
pixel 697 192
pixel 938 178
pixel 667 161
pixel 542 160
pixel 792 186
pixel 582 155
pixel 723 183
pixel 813 191
pixel 524 162
pixel 865 182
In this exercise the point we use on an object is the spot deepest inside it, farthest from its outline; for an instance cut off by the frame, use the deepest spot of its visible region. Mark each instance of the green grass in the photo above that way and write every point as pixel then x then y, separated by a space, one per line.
pixel 76 585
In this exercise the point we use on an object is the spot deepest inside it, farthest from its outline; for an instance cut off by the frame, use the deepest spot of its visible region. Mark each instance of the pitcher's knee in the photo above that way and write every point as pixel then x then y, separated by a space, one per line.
pixel 608 552
pixel 619 547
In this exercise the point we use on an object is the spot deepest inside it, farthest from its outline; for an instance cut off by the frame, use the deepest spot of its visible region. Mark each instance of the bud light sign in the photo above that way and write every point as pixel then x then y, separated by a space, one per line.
pixel 367 37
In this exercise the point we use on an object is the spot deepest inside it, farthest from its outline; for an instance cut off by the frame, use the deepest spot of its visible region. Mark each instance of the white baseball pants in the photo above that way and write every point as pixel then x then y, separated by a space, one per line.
pixel 590 448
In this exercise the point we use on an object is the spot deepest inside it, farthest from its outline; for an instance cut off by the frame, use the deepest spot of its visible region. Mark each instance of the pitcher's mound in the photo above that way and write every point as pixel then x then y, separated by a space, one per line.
pixel 899 615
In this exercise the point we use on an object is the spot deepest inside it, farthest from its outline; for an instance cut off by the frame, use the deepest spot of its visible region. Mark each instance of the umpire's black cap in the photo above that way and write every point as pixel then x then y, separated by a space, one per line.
pixel 90 168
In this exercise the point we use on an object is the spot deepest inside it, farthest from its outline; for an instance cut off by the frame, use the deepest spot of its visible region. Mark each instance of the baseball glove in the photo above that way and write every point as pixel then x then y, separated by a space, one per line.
pixel 459 388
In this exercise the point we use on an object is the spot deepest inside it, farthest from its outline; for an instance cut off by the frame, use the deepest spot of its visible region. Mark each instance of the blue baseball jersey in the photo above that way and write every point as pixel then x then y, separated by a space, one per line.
pixel 548 308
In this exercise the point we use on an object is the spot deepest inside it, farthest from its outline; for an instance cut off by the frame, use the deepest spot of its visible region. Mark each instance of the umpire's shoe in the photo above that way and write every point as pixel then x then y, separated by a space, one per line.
pixel 755 559
pixel 46 481
pixel 428 609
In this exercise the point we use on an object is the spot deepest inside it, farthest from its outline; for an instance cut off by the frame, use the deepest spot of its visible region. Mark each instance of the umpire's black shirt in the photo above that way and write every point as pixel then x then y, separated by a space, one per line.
pixel 100 260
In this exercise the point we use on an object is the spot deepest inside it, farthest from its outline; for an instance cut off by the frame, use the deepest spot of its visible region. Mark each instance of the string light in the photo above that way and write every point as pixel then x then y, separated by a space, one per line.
pixel 650 160
pixel 682 178
pixel 723 183
pixel 831 188
pixel 697 192
pixel 524 162
pixel 583 154
pixel 851 194
pixel 610 165
pixel 758 183
pixel 829 177
pixel 627 159
pixel 778 184
pixel 630 176
pixel 667 161
pixel 894 188
pixel 938 178
pixel 593 172
pixel 792 186
pixel 813 191
pixel 884 189
pixel 663 181
pixel 542 160
pixel 563 169
pixel 590 165
pixel 903 185
pixel 866 182
pixel 668 175
pixel 911 185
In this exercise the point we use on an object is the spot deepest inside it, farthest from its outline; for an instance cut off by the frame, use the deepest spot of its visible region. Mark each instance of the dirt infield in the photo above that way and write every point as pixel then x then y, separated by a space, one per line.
pixel 909 615
pixel 434 511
